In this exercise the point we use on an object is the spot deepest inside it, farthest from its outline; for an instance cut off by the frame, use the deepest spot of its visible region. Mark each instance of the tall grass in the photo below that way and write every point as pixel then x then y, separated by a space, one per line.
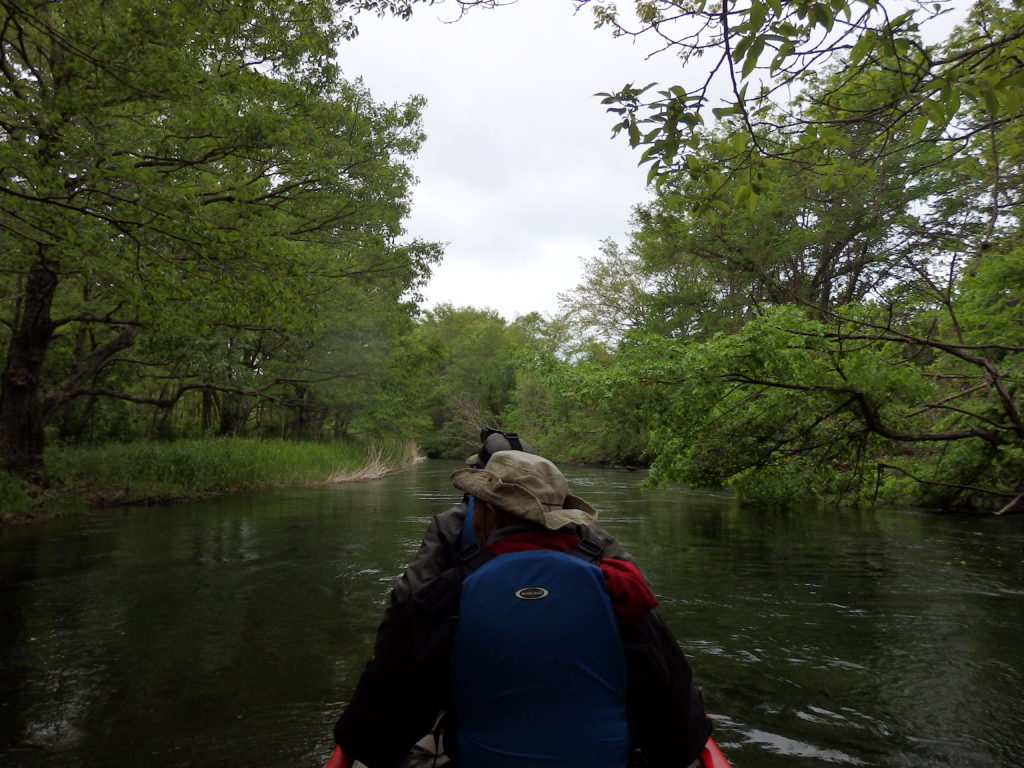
pixel 381 460
pixel 14 501
pixel 143 472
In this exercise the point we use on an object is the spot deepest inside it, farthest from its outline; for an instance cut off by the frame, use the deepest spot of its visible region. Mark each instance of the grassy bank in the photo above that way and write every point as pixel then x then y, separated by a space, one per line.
pixel 146 473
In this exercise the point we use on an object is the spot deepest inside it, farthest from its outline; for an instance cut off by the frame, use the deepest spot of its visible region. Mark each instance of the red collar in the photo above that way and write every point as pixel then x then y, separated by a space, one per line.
pixel 534 539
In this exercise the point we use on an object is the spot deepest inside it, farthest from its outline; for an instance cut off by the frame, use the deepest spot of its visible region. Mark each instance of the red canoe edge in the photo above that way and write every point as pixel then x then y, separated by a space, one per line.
pixel 710 757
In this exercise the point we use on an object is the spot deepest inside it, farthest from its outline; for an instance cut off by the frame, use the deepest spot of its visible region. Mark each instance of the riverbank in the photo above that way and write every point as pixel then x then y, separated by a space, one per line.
pixel 143 473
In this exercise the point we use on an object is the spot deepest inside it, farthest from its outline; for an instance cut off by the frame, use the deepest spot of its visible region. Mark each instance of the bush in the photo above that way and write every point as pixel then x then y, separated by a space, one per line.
pixel 13 499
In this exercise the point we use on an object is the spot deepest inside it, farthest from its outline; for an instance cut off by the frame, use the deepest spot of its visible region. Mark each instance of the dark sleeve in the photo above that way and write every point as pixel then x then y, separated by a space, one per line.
pixel 407 683
pixel 666 710
pixel 610 546
pixel 437 553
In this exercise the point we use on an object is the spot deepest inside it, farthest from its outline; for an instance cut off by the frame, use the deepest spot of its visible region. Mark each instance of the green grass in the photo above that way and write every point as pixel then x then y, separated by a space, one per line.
pixel 145 471
pixel 142 472
pixel 14 502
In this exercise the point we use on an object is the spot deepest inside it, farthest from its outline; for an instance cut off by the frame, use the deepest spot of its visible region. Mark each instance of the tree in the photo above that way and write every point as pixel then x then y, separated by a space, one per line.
pixel 469 377
pixel 763 51
pixel 815 328
pixel 174 172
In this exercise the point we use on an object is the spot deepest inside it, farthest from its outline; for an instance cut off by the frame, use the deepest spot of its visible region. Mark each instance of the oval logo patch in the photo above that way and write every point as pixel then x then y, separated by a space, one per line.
pixel 531 593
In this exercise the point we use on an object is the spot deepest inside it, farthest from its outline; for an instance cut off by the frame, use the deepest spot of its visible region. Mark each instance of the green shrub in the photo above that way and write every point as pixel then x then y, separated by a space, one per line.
pixel 13 499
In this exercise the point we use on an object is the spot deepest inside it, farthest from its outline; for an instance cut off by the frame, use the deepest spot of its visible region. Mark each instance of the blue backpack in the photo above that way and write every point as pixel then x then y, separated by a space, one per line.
pixel 538 669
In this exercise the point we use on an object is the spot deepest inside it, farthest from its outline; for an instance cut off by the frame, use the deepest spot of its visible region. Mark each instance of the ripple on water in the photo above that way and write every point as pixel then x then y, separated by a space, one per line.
pixel 782 745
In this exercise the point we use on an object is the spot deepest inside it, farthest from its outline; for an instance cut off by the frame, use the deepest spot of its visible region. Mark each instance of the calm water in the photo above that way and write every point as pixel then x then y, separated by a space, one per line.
pixel 230 632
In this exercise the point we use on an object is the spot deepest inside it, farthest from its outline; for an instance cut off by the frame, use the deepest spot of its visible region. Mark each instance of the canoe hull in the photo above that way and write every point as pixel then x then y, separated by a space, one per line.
pixel 710 757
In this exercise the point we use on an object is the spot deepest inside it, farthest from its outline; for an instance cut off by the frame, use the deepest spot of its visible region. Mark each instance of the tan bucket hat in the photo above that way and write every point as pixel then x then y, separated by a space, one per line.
pixel 526 486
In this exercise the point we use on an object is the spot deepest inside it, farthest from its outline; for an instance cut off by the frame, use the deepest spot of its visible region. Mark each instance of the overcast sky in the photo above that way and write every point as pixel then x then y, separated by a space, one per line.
pixel 519 174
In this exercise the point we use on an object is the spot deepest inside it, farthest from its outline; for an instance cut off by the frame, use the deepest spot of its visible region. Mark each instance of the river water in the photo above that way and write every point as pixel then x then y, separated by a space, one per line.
pixel 230 632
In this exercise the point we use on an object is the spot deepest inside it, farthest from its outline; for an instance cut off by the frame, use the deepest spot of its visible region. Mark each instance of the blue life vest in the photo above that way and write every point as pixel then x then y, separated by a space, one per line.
pixel 538 669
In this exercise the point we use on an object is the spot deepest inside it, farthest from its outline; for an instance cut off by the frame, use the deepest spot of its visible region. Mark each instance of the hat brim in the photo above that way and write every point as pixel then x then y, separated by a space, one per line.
pixel 517 500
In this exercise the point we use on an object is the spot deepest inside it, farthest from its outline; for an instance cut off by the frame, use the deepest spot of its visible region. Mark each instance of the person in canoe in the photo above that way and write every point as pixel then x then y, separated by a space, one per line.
pixel 452 531
pixel 535 642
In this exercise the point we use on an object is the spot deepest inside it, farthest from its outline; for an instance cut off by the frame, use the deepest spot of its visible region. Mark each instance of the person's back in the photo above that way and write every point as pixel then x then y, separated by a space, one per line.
pixel 539 674
pixel 534 655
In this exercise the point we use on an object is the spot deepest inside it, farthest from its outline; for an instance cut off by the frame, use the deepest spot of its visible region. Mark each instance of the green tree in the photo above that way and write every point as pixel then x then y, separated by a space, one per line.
pixel 472 359
pixel 175 172
pixel 816 328
pixel 907 91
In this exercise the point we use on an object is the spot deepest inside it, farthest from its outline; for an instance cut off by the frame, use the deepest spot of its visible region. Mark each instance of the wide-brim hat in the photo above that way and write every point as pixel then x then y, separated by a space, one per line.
pixel 527 486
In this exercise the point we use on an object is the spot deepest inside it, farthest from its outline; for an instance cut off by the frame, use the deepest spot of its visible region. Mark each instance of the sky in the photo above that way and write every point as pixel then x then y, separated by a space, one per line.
pixel 519 175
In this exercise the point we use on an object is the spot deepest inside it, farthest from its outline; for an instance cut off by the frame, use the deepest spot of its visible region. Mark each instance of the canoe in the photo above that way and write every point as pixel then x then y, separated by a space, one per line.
pixel 710 757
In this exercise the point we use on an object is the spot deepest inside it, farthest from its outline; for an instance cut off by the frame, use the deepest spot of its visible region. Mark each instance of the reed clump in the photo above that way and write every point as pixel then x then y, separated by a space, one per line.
pixel 141 472
pixel 381 460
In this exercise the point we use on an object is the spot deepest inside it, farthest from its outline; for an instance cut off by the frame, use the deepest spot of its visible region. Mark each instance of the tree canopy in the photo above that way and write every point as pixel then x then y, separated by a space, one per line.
pixel 821 301
pixel 820 317
pixel 189 195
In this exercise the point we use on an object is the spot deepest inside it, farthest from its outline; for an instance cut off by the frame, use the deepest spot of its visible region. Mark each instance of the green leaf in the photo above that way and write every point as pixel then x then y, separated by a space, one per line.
pixel 991 99
pixel 634 133
pixel 752 56
pixel 861 48
pixel 821 16
pixel 740 49
pixel 758 12
pixel 917 128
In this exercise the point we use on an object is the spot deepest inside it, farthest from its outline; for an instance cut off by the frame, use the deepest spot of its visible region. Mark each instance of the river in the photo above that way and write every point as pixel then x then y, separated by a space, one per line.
pixel 229 632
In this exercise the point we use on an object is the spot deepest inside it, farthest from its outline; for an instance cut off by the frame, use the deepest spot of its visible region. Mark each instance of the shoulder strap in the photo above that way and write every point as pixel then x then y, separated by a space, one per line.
pixel 588 549
pixel 472 557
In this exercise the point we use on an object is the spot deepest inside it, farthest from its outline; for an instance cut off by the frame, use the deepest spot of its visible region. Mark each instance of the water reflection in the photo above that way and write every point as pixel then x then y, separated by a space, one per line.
pixel 228 632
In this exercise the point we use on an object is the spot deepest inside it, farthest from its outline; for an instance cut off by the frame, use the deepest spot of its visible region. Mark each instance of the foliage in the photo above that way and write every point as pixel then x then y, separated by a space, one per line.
pixel 470 360
pixel 14 501
pixel 190 196
pixel 908 91
pixel 827 294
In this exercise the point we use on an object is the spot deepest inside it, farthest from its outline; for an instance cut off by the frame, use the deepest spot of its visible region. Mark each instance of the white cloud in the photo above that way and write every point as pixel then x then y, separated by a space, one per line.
pixel 519 174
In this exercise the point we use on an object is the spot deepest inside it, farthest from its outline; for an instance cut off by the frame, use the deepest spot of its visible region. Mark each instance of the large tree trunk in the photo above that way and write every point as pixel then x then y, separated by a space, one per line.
pixel 21 413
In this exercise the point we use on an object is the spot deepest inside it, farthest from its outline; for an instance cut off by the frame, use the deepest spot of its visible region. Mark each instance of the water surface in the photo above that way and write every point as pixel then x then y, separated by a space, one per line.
pixel 230 632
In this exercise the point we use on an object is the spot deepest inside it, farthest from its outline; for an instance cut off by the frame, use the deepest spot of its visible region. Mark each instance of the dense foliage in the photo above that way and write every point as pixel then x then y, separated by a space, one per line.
pixel 823 300
pixel 197 211
pixel 203 236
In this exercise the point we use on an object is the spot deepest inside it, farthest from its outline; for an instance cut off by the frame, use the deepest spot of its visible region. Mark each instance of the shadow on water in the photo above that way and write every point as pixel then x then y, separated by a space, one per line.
pixel 229 632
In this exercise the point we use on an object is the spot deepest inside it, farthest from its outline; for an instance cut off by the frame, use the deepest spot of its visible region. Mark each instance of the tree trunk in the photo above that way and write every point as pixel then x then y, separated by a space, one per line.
pixel 21 415
pixel 209 409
